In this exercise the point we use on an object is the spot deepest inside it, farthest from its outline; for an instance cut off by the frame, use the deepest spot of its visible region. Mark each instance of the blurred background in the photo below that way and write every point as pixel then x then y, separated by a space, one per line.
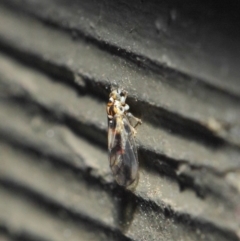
pixel 179 62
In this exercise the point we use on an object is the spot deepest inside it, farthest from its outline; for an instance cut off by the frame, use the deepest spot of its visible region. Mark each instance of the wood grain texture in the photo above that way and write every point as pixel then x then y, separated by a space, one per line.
pixel 58 61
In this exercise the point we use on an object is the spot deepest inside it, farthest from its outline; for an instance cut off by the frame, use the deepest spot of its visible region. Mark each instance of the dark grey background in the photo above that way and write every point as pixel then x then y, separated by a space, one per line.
pixel 178 60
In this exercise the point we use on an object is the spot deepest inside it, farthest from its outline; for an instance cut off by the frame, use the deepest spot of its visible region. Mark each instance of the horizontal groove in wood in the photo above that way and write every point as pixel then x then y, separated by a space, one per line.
pixel 50 223
pixel 4 234
pixel 213 112
pixel 60 183
pixel 71 203
pixel 65 146
pixel 53 97
pixel 8 234
pixel 22 85
pixel 70 108
pixel 160 32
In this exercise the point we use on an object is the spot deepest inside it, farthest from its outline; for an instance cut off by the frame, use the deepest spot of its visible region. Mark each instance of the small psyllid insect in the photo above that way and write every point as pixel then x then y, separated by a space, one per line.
pixel 121 144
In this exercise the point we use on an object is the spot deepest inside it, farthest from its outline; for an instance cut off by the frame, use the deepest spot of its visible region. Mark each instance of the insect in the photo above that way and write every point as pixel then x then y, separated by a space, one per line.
pixel 121 143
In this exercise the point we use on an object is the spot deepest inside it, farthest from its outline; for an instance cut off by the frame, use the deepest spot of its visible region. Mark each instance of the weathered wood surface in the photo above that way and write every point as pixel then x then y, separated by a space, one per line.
pixel 58 60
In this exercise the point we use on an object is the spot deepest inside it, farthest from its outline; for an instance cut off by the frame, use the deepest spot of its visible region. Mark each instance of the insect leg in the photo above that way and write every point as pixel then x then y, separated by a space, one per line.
pixel 130 115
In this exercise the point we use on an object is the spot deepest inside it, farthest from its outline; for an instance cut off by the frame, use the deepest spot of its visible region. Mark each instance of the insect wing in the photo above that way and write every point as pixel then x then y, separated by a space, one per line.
pixel 122 150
